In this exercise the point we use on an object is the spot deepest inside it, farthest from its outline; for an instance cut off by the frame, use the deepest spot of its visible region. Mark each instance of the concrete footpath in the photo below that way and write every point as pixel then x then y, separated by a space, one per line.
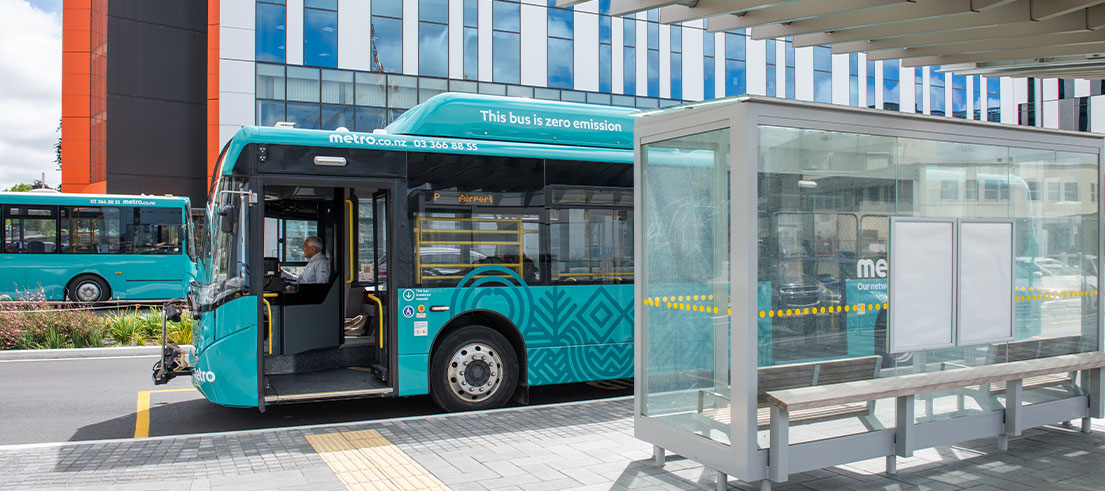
pixel 587 445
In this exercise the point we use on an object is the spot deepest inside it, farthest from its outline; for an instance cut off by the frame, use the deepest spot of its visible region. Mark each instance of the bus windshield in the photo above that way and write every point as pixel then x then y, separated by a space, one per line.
pixel 224 273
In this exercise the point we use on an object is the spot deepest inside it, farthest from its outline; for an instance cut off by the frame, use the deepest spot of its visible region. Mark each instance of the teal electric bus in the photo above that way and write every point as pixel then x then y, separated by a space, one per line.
pixel 476 246
pixel 92 248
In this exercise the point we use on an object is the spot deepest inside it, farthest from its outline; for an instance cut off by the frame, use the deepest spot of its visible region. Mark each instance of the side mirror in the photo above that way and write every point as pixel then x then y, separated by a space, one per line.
pixel 172 312
pixel 230 219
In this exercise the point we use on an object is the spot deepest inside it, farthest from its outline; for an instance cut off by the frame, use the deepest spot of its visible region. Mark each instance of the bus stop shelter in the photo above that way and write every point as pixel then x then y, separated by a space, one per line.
pixel 818 284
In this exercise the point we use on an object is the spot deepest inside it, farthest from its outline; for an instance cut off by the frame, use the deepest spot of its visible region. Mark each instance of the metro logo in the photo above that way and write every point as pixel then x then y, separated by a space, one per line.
pixel 869 268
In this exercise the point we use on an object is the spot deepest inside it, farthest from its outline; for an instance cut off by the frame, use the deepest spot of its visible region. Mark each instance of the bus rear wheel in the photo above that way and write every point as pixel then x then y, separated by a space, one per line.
pixel 474 368
pixel 88 288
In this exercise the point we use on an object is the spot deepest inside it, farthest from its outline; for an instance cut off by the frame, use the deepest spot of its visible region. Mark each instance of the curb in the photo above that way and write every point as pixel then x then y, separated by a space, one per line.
pixel 307 427
pixel 81 353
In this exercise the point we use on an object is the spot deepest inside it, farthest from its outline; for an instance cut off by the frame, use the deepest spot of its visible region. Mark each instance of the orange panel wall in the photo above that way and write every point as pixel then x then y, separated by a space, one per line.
pixel 212 87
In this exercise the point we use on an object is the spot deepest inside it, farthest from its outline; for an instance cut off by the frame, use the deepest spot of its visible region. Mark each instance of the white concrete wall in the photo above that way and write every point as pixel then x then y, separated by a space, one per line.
pixel 803 74
pixel 456 38
pixel 354 40
pixel 294 30
pixel 410 38
pixel 586 46
pixel 533 58
pixel 693 72
pixel 237 73
pixel 617 55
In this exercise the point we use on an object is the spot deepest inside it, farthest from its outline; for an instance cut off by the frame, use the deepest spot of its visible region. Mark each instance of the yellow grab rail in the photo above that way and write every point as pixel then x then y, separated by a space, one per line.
pixel 379 317
pixel 268 306
pixel 349 209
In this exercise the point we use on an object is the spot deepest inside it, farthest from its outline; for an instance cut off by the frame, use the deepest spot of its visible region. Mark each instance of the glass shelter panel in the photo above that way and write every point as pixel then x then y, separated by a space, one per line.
pixel 825 203
pixel 686 284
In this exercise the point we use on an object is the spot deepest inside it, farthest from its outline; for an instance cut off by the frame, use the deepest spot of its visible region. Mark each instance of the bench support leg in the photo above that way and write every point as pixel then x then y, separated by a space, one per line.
pixel 1014 397
pixel 722 481
pixel 1087 425
pixel 765 485
pixel 903 430
pixel 1003 442
pixel 892 464
pixel 1094 385
pixel 780 443
pixel 658 455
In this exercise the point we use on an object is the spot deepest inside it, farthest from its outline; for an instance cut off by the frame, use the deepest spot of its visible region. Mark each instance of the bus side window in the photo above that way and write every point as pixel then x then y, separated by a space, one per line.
pixel 30 229
pixel 591 235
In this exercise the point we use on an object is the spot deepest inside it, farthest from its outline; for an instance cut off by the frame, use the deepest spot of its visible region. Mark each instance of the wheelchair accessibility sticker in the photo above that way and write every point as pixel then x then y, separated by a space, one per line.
pixel 408 311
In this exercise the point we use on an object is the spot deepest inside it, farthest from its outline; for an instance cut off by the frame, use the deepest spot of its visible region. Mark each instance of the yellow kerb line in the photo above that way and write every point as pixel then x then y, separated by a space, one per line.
pixel 142 416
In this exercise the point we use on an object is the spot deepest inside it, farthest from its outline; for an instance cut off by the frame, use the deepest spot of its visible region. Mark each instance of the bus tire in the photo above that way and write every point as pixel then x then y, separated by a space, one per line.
pixel 88 288
pixel 473 368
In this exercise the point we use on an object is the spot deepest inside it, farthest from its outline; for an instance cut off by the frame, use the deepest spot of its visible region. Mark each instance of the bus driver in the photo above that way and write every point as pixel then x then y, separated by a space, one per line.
pixel 318 267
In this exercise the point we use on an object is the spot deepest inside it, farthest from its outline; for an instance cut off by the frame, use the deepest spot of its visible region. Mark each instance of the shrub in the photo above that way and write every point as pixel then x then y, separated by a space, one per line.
pixel 123 327
pixel 133 327
pixel 33 323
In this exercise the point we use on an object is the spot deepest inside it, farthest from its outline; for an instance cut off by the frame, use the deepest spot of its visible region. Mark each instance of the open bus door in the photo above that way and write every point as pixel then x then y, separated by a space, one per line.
pixel 326 324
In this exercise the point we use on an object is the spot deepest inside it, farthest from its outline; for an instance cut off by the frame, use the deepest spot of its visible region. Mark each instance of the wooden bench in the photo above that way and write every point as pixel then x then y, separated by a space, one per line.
pixel 1031 349
pixel 807 374
pixel 902 440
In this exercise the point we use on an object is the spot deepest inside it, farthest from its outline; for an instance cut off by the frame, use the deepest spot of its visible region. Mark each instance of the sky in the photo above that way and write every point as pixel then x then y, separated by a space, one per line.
pixel 30 90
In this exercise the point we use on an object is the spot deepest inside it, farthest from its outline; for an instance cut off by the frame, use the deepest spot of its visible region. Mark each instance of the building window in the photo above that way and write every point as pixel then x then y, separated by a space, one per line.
pixel 337 100
pixel 629 56
pixel 708 67
pixel 1070 191
pixel 605 48
pixel 735 68
pixel 949 190
pixel 1033 190
pixel 891 99
pixel 918 90
pixel 959 96
pixel 979 99
pixel 506 42
pixel 822 74
pixel 653 55
pixel 1053 191
pixel 769 67
pixel 788 51
pixel 561 49
pixel 272 18
pixel 471 40
pixel 676 62
pixel 1093 192
pixel 870 86
pixel 320 33
pixel 853 79
pixel 387 35
pixel 304 89
pixel 433 38
pixel 936 91
pixel 970 190
pixel 990 190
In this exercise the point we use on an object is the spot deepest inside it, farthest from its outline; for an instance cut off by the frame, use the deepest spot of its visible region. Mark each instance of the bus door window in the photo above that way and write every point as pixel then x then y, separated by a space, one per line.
pixel 372 230
pixel 158 230
pixel 30 229
pixel 591 235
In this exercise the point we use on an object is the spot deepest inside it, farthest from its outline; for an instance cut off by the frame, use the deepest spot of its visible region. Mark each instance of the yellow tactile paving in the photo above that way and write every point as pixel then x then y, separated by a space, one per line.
pixel 365 460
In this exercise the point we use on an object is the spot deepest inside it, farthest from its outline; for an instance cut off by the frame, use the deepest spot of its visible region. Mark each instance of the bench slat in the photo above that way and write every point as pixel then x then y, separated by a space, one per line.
pixel 865 390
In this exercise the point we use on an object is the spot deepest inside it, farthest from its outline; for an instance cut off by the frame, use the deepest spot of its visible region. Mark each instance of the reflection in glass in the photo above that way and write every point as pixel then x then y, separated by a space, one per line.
pixel 303 84
pixel 320 38
pixel 505 53
pixel 387 42
pixel 433 49
pixel 561 59
pixel 306 116
pixel 271 20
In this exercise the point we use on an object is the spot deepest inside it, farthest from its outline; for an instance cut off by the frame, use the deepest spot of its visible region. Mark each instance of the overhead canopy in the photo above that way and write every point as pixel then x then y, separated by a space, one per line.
pixel 1019 38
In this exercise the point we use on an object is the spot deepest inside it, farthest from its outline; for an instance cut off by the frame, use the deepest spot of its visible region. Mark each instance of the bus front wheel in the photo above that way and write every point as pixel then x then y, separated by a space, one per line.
pixel 88 288
pixel 474 368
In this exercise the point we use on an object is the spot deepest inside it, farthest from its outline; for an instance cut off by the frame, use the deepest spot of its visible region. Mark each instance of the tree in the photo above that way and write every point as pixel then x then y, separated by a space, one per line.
pixel 57 147
pixel 20 188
